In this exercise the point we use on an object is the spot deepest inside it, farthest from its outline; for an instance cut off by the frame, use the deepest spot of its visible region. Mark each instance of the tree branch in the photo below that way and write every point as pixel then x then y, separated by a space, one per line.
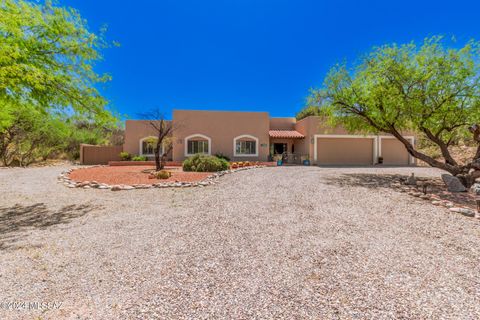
pixel 442 145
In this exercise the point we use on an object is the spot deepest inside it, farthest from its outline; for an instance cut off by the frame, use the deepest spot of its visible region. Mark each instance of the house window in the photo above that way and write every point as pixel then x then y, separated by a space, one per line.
pixel 197 143
pixel 147 146
pixel 197 146
pixel 246 147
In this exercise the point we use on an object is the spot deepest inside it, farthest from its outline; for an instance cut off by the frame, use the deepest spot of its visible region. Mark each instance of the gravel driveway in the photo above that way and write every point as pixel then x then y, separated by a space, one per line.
pixel 287 242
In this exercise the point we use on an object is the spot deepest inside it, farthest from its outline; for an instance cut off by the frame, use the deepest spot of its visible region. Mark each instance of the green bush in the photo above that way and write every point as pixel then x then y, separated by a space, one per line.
pixel 139 158
pixel 125 156
pixel 202 163
pixel 162 174
pixel 222 156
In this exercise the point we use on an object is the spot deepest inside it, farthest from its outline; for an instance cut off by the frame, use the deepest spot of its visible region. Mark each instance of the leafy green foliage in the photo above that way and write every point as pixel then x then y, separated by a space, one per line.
pixel 47 82
pixel 46 59
pixel 139 158
pixel 32 135
pixel 431 89
pixel 125 156
pixel 203 163
pixel 307 112
pixel 222 156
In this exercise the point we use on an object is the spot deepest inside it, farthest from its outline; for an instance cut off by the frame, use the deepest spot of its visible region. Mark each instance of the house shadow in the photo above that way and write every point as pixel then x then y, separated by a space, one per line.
pixel 17 220
pixel 366 180
pixel 434 186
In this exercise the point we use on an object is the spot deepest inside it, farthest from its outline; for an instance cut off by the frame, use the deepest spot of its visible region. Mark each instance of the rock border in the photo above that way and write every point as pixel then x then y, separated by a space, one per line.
pixel 64 177
pixel 435 200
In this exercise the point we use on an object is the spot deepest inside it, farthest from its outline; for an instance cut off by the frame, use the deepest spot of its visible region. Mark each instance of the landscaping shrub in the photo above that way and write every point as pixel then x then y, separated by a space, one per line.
pixel 202 163
pixel 125 156
pixel 139 158
pixel 162 174
pixel 222 156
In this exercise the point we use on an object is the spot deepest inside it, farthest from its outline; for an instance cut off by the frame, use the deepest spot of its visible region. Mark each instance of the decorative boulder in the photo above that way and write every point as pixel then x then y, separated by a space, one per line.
pixel 464 211
pixel 453 183
pixel 476 188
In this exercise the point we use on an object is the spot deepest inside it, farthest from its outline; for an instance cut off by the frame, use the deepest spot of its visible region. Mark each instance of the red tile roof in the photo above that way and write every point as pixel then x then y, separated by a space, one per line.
pixel 285 134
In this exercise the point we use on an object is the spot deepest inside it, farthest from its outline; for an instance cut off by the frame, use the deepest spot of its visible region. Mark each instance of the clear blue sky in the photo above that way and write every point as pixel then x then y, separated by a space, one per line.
pixel 255 55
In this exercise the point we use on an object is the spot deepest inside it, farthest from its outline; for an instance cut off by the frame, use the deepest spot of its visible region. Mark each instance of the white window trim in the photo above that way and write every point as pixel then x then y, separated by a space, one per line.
pixel 374 138
pixel 411 159
pixel 235 154
pixel 197 135
pixel 141 149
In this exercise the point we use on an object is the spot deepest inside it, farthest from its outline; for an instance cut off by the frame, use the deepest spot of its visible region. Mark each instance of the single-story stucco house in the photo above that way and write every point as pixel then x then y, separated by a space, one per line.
pixel 255 136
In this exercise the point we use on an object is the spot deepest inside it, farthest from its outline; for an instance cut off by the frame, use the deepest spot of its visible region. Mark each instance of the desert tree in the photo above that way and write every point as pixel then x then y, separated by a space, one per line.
pixel 162 143
pixel 47 59
pixel 431 89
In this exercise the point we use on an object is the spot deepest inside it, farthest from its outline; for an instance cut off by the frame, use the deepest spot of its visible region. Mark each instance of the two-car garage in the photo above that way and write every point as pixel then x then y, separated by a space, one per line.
pixel 359 150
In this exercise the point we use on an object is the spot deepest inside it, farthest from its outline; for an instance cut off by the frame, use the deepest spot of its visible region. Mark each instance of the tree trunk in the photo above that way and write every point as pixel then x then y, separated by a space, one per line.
pixel 453 169
pixel 158 165
pixel 468 179
pixel 465 173
pixel 163 161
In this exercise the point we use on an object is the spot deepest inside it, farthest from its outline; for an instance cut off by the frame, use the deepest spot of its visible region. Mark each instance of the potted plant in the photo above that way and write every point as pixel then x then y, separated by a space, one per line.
pixel 306 160
pixel 279 159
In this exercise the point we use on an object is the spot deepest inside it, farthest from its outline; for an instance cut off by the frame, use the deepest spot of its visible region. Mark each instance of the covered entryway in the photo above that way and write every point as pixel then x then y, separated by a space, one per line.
pixel 394 152
pixel 345 150
pixel 282 145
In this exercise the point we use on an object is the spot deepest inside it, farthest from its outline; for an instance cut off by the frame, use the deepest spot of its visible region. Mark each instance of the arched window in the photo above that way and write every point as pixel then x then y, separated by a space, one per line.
pixel 245 146
pixel 147 146
pixel 197 143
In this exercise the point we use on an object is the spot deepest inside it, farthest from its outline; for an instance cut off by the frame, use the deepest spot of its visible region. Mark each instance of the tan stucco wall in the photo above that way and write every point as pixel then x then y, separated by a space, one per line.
pixel 90 154
pixel 135 130
pixel 313 125
pixel 221 127
pixel 282 123
pixel 309 127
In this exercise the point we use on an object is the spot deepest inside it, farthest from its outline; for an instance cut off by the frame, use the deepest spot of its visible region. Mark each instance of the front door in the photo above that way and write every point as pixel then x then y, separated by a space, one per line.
pixel 279 148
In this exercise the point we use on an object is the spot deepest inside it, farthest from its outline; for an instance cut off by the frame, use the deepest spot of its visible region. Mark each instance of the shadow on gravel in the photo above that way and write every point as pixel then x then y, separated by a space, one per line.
pixel 375 181
pixel 365 180
pixel 16 220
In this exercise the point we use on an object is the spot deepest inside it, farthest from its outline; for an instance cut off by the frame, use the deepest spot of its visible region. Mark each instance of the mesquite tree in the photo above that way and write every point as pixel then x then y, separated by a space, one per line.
pixel 47 75
pixel 431 89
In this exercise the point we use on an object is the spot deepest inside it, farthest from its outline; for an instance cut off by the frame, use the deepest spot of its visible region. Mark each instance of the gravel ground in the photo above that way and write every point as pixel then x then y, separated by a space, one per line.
pixel 287 242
